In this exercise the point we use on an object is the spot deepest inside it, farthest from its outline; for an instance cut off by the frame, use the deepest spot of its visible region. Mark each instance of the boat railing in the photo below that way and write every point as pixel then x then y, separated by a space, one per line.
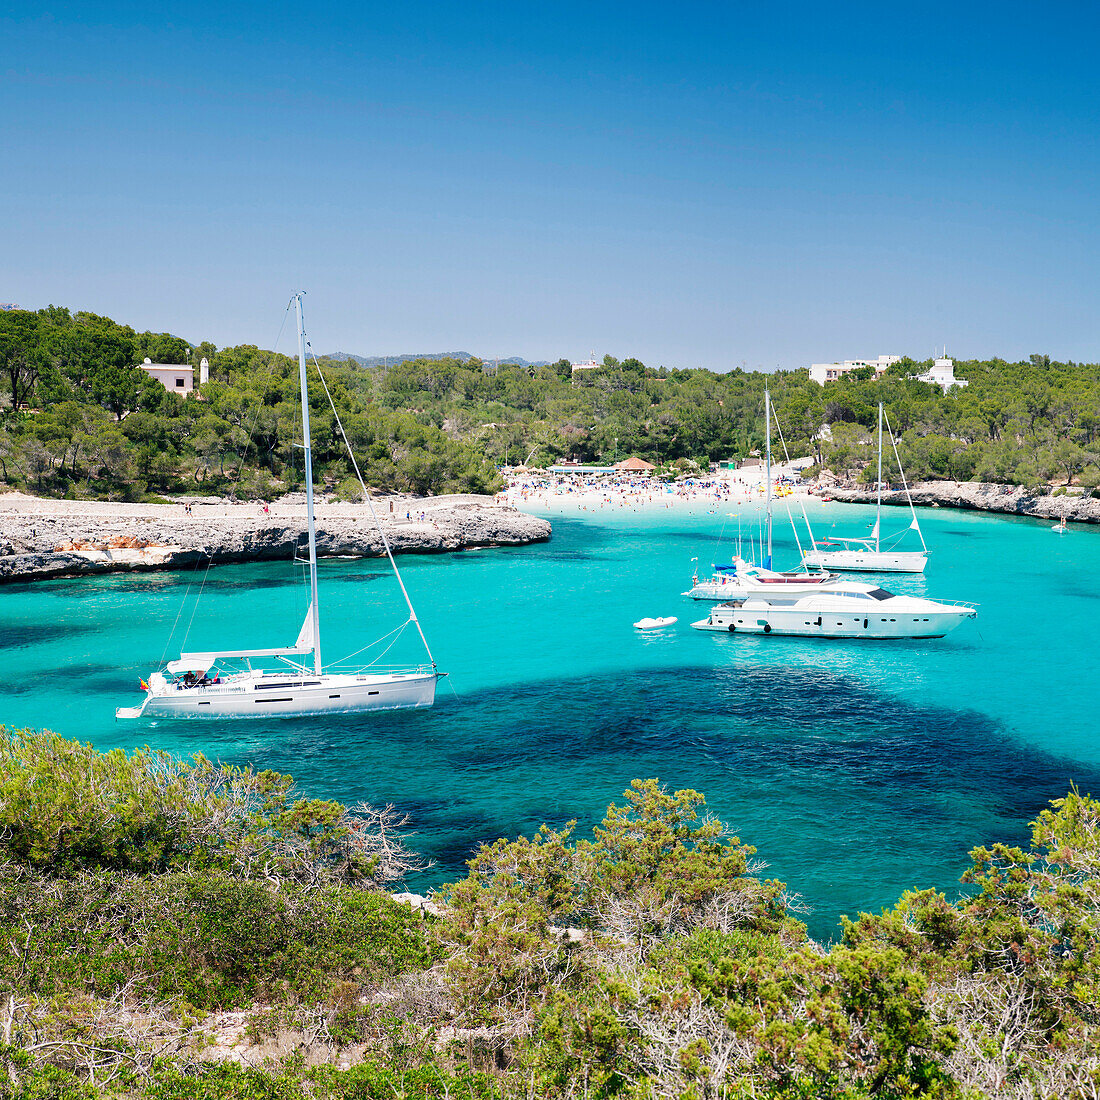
pixel 380 670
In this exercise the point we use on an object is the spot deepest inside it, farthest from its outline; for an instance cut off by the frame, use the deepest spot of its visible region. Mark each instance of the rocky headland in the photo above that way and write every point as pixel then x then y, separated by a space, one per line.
pixel 42 538
pixel 984 496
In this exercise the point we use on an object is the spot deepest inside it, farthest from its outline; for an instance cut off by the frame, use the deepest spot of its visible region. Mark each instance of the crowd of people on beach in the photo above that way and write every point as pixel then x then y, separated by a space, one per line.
pixel 588 493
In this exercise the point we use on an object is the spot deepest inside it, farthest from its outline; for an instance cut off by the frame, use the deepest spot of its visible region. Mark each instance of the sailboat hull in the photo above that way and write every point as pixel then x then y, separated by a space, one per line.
pixel 867 561
pixel 263 696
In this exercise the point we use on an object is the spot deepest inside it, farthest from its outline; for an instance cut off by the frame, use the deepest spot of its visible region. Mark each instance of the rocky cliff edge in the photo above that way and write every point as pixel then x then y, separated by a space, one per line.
pixel 58 538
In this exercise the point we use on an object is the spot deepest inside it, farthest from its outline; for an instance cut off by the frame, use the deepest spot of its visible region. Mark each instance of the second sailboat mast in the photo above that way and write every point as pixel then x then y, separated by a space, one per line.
pixel 878 509
pixel 768 472
pixel 313 608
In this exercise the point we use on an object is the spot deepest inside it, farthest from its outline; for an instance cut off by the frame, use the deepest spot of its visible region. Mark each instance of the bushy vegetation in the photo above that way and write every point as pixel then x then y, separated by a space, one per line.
pixel 1029 423
pixel 647 959
pixel 1025 423
pixel 81 418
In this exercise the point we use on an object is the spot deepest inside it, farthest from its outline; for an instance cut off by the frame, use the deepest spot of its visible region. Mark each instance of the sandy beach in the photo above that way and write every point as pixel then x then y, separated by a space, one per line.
pixel 573 494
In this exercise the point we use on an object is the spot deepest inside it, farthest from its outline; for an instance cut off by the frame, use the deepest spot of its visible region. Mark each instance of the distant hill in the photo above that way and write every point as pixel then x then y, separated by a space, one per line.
pixel 461 356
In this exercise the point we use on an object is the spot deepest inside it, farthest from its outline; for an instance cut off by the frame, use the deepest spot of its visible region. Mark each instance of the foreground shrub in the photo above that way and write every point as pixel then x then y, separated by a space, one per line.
pixel 64 808
pixel 208 939
pixel 646 962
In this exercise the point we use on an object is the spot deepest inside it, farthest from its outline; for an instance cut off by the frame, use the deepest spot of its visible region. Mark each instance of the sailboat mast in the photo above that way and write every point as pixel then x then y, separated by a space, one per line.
pixel 306 447
pixel 768 472
pixel 878 510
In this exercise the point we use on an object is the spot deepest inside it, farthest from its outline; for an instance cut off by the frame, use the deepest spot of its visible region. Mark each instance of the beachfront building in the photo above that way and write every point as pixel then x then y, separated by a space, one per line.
pixel 632 465
pixel 569 467
pixel 942 374
pixel 176 377
pixel 830 372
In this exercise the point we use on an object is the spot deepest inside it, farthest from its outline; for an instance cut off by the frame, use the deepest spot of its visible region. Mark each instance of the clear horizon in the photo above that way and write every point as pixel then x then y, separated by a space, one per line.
pixel 713 186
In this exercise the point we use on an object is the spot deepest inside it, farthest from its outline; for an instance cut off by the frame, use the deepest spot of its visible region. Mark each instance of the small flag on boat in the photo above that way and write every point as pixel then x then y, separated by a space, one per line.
pixel 144 685
pixel 914 526
pixel 874 530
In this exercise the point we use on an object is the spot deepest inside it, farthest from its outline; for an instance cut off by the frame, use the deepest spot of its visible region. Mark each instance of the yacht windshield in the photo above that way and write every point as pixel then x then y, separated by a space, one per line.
pixel 880 594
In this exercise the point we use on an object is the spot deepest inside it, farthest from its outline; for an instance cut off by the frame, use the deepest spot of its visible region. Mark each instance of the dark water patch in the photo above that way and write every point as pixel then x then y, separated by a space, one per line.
pixel 100 678
pixel 1077 592
pixel 850 793
pixel 563 555
pixel 69 588
pixel 711 538
pixel 221 583
pixel 86 677
pixel 759 744
pixel 25 635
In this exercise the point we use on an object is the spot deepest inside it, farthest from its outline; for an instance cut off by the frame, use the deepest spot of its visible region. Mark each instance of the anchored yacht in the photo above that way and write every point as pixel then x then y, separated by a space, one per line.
pixel 850 611
pixel 741 579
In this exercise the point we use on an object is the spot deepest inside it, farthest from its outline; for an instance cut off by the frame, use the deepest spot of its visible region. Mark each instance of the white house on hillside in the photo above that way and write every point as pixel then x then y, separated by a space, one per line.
pixel 942 374
pixel 176 377
pixel 830 372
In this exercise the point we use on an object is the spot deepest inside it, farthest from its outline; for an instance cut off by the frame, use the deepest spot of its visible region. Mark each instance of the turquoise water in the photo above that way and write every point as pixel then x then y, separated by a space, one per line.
pixel 857 769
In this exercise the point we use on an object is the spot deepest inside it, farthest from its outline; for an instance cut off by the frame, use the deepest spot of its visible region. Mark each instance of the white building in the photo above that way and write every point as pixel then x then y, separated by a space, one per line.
pixel 591 364
pixel 176 377
pixel 830 372
pixel 942 374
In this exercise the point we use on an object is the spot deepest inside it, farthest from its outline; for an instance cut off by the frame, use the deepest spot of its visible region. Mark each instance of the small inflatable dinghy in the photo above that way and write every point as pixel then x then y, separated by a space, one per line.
pixel 654 624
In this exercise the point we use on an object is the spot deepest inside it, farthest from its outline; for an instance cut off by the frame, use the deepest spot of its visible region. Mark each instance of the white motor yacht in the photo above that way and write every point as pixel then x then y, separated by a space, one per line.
pixel 741 579
pixel 227 683
pixel 850 611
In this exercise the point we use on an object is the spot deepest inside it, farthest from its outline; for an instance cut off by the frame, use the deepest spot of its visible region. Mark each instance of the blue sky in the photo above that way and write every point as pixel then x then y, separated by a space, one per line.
pixel 696 185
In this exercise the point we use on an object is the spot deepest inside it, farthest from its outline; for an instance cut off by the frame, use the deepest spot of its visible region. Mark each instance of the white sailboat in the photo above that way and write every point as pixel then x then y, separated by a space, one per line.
pixel 741 578
pixel 225 683
pixel 865 554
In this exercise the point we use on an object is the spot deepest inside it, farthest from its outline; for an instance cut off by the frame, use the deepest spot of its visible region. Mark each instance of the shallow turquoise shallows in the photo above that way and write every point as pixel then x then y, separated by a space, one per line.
pixel 857 769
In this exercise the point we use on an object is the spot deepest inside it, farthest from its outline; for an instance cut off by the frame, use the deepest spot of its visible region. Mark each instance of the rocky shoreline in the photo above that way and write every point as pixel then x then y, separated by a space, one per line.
pixel 984 497
pixel 42 538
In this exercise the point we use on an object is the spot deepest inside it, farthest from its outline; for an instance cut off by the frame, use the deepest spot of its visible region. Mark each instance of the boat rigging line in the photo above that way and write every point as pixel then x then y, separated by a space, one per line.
pixel 802 503
pixel 905 484
pixel 370 504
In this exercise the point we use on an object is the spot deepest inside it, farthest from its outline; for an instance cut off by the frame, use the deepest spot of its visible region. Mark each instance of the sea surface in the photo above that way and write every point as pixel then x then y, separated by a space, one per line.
pixel 857 769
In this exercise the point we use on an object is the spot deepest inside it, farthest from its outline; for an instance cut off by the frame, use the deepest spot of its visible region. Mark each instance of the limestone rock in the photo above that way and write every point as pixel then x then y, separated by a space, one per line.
pixel 68 538
pixel 984 497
